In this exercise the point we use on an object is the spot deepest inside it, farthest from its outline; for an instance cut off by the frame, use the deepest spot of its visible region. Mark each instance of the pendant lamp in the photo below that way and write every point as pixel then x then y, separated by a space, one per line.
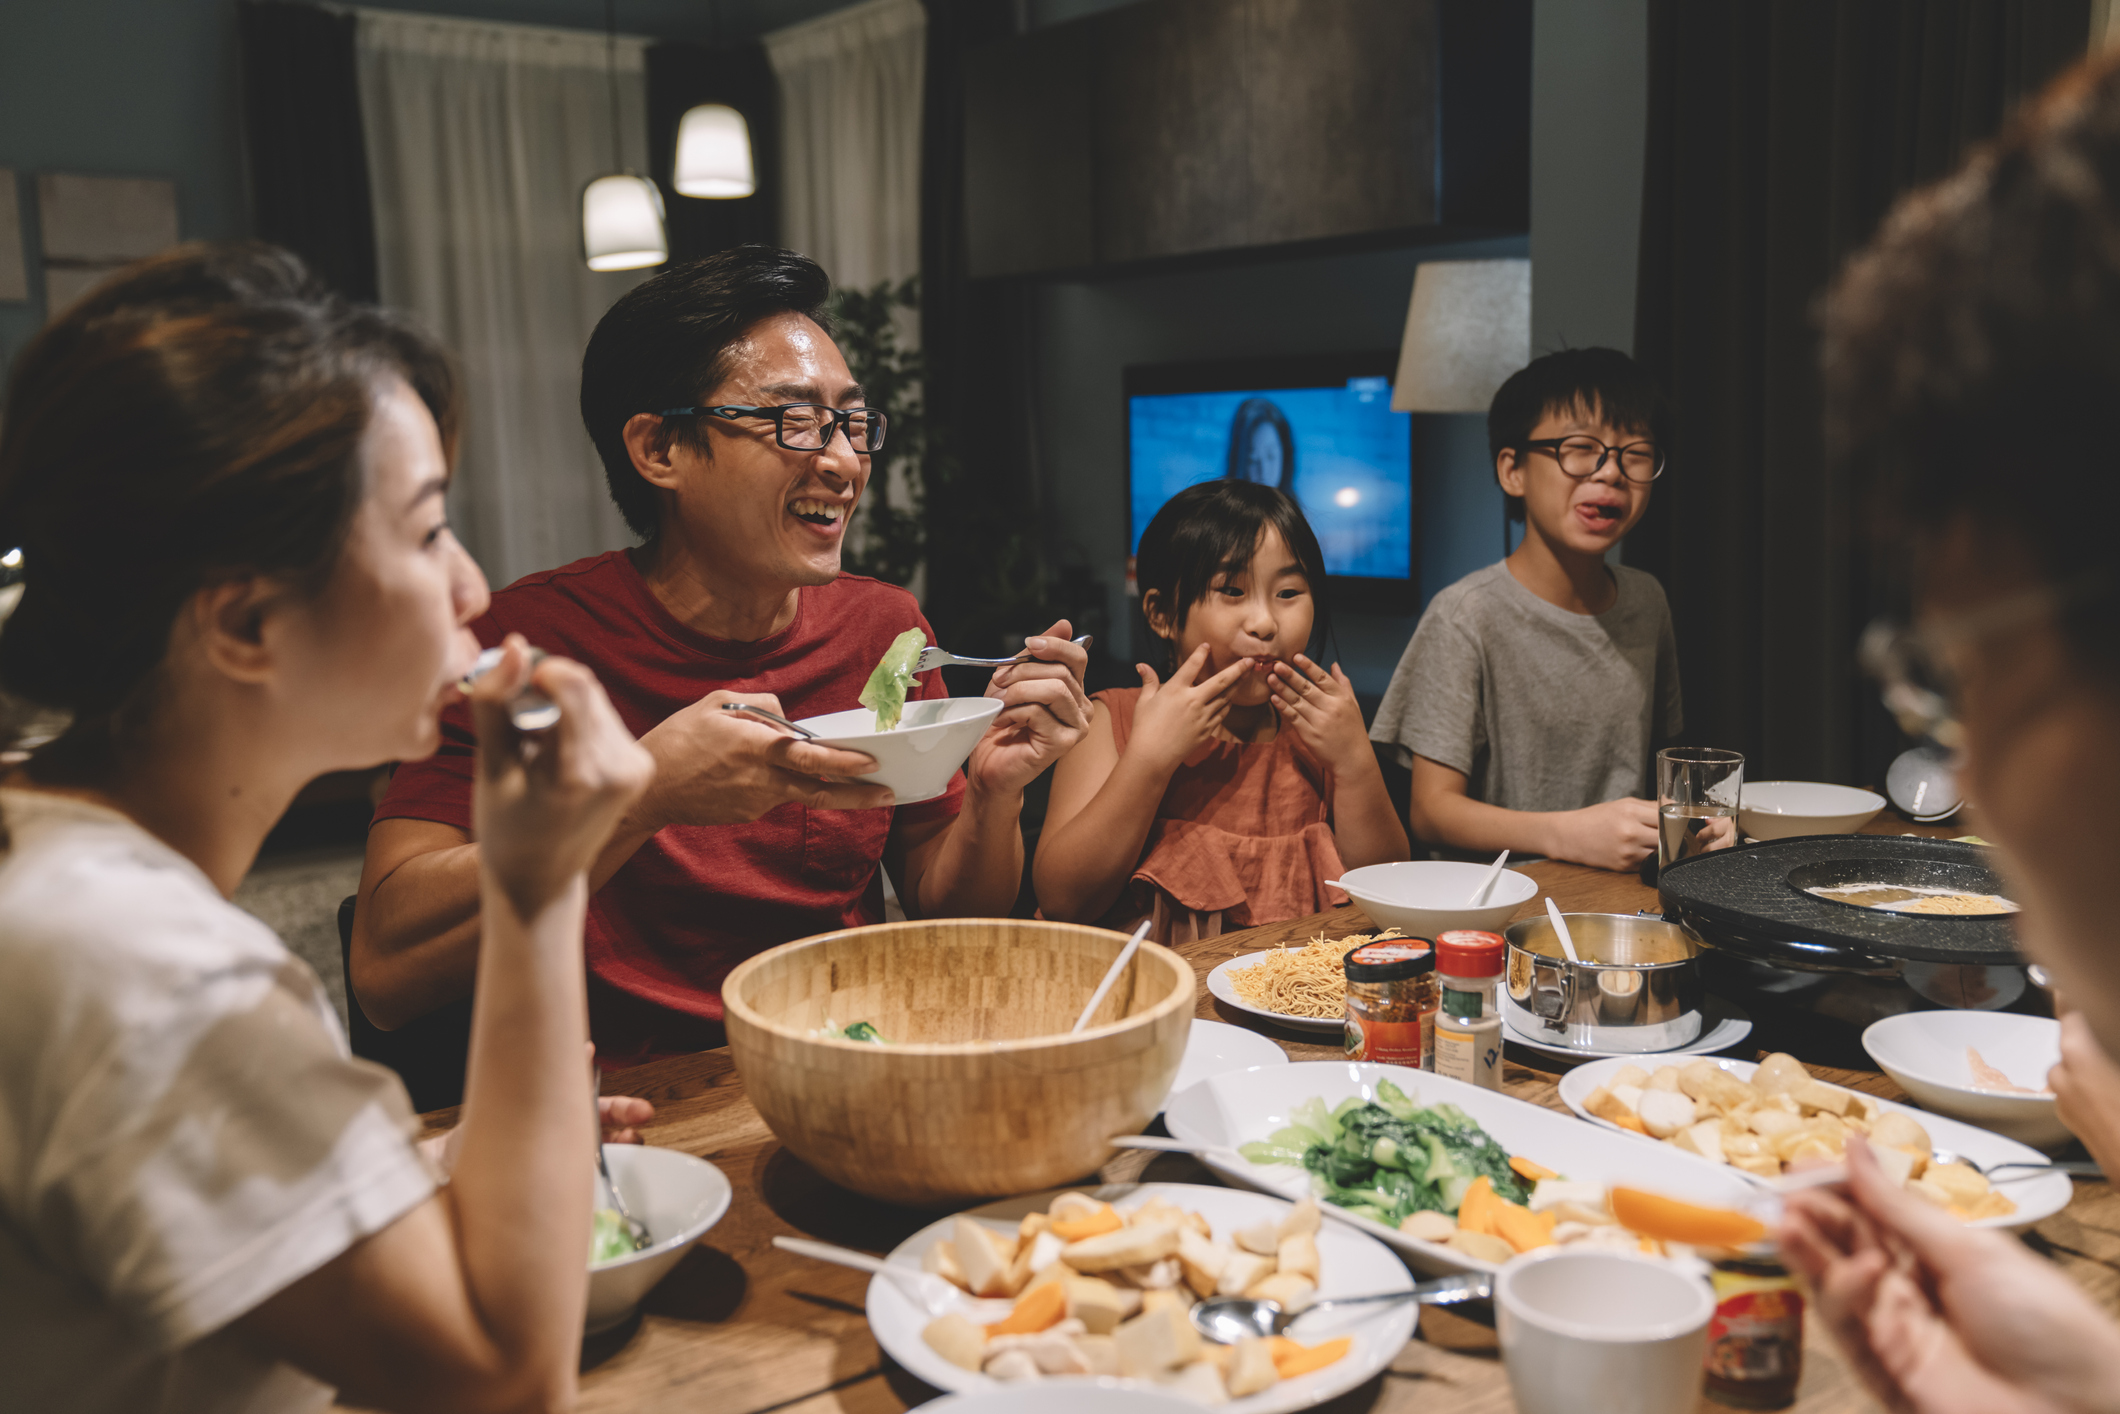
pixel 622 214
pixel 714 153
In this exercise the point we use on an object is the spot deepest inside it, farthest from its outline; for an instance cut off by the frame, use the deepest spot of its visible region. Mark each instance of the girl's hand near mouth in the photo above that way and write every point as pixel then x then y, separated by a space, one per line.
pixel 1321 707
pixel 1176 718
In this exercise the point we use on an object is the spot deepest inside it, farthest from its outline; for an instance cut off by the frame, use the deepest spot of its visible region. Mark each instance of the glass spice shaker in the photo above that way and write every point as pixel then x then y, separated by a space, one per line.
pixel 1392 999
pixel 1468 1032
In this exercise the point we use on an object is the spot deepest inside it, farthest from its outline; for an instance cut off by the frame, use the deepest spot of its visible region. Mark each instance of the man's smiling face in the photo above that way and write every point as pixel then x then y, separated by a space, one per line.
pixel 777 517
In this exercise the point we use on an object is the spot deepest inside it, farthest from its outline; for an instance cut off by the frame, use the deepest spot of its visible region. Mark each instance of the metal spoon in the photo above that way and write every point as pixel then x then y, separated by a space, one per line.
pixel 530 710
pixel 932 658
pixel 2075 1168
pixel 635 1229
pixel 1229 1319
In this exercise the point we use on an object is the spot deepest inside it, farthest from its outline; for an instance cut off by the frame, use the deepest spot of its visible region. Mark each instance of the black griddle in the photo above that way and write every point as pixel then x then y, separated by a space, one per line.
pixel 1742 899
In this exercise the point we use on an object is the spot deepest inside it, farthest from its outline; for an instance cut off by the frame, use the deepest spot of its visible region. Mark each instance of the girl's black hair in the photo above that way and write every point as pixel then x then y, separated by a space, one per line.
pixel 1213 528
pixel 1251 413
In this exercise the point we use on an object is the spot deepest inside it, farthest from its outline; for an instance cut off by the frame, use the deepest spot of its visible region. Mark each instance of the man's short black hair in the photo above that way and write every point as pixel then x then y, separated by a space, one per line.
pixel 1972 352
pixel 666 344
pixel 1604 381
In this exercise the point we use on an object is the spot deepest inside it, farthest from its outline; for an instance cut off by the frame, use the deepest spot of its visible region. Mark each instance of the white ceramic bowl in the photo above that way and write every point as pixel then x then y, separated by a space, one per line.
pixel 1925 1051
pixel 677 1197
pixel 1776 810
pixel 917 757
pixel 1425 897
pixel 1573 1320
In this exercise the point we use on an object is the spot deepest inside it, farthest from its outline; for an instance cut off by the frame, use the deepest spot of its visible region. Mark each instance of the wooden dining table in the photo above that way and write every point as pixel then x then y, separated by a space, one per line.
pixel 741 1327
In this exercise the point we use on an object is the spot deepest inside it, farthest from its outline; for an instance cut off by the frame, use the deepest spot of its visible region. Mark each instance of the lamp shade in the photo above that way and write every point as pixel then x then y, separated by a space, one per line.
pixel 1467 329
pixel 622 223
pixel 714 153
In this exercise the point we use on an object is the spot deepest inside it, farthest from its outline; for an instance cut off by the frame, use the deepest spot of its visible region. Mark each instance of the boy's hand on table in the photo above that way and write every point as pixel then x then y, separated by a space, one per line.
pixel 1619 834
pixel 2086 1086
pixel 1321 707
pixel 1940 1318
pixel 1176 718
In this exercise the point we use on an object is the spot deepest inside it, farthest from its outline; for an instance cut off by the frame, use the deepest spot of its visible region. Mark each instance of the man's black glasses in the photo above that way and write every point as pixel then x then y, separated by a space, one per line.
pixel 806 427
pixel 1583 457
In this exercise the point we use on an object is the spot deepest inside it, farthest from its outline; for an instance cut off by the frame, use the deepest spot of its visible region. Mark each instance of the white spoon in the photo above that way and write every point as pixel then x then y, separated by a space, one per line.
pixel 929 1292
pixel 1111 975
pixel 1560 926
pixel 1494 871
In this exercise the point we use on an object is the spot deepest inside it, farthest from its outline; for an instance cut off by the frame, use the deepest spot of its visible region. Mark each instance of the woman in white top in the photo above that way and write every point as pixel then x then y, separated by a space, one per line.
pixel 228 489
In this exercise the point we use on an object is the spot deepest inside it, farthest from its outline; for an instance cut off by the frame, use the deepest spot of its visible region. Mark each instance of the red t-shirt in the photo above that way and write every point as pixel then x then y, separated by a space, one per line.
pixel 694 901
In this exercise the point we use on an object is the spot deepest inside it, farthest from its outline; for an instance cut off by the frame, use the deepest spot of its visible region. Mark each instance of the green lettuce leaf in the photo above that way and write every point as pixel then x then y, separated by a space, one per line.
pixel 893 679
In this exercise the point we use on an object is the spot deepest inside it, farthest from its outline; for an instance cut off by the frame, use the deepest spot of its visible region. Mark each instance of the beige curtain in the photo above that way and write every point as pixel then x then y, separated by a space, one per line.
pixel 480 140
pixel 850 96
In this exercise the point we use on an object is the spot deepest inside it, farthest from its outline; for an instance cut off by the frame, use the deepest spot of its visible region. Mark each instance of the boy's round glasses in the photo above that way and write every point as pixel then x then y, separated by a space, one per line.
pixel 805 427
pixel 1583 457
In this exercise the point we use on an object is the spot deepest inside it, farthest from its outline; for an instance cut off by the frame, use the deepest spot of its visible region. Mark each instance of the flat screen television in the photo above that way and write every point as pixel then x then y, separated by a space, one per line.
pixel 1320 428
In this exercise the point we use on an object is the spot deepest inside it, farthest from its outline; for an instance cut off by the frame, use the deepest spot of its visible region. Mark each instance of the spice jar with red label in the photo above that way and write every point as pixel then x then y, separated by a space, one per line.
pixel 1755 1340
pixel 1392 999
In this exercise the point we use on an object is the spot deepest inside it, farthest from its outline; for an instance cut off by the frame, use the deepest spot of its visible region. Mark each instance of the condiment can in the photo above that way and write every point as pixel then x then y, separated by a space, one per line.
pixel 1755 1339
pixel 1468 1030
pixel 1392 999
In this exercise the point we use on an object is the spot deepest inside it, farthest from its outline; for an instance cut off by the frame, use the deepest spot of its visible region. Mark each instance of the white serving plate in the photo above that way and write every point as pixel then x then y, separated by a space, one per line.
pixel 1777 810
pixel 1424 897
pixel 1106 1396
pixel 1235 1109
pixel 1215 1047
pixel 677 1197
pixel 2037 1196
pixel 917 757
pixel 1225 990
pixel 1925 1052
pixel 1726 1024
pixel 1349 1264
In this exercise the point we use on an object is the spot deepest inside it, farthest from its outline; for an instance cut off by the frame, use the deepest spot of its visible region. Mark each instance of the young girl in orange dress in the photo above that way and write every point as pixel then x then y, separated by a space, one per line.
pixel 1233 792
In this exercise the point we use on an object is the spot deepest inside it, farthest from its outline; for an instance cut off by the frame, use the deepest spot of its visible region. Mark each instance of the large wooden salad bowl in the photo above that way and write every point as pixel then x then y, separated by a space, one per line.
pixel 982 1092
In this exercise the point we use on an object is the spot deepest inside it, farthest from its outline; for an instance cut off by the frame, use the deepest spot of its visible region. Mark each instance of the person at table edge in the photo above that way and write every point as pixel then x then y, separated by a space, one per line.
pixel 747 838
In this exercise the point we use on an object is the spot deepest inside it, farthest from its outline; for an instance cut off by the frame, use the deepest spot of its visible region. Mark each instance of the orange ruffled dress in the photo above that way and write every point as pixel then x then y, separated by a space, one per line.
pixel 1243 836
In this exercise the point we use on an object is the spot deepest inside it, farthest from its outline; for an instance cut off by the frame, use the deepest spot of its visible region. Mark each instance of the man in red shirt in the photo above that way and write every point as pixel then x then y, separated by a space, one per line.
pixel 734 441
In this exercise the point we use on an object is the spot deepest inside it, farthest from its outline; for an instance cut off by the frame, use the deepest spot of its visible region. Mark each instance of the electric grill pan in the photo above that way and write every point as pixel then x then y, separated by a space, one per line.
pixel 1780 944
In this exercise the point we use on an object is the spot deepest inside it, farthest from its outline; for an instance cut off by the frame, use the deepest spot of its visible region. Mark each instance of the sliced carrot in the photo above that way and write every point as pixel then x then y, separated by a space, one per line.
pixel 1521 1228
pixel 1631 1122
pixel 1653 1215
pixel 1291 1359
pixel 1529 1171
pixel 1473 1213
pixel 1104 1220
pixel 1038 1308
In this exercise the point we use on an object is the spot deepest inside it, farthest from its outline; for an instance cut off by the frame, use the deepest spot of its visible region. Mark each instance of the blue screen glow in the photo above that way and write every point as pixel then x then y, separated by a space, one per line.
pixel 1342 452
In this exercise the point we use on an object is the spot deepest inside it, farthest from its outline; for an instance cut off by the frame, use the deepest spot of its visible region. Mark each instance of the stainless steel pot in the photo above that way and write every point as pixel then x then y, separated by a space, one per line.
pixel 1637 988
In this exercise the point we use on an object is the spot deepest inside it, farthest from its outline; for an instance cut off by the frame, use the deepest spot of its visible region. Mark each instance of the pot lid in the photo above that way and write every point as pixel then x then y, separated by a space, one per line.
pixel 1749 893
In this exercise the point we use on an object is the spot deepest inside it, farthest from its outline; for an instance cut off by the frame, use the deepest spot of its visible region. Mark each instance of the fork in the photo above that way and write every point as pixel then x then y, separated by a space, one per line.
pixel 932 658
pixel 2075 1168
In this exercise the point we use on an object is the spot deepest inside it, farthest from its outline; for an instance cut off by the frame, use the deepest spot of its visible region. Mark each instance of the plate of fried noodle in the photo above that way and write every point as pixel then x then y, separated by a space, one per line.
pixel 1301 987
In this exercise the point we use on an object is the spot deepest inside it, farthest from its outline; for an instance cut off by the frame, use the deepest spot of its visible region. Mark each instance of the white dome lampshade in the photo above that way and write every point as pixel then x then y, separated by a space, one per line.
pixel 714 153
pixel 622 223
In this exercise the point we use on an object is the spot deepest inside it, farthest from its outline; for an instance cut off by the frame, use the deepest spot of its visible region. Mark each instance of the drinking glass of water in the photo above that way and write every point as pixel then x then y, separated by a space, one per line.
pixel 1697 789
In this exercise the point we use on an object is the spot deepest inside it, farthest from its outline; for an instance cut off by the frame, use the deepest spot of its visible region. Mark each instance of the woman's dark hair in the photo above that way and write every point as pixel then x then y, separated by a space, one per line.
pixel 196 418
pixel 1972 352
pixel 1213 528
pixel 666 344
pixel 1252 414
pixel 1605 382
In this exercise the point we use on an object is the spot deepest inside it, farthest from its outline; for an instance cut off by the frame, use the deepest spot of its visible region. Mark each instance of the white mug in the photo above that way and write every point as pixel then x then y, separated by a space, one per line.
pixel 1586 1328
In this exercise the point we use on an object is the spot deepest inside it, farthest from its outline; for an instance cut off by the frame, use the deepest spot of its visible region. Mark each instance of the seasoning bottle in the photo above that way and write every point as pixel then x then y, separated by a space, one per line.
pixel 1755 1340
pixel 1391 1002
pixel 1468 1031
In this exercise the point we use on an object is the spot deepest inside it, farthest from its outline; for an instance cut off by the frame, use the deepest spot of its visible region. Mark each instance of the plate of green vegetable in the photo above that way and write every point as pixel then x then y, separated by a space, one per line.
pixel 1396 1152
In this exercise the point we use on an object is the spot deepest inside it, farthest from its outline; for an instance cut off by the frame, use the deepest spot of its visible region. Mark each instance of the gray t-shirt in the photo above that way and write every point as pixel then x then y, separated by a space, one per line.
pixel 1540 708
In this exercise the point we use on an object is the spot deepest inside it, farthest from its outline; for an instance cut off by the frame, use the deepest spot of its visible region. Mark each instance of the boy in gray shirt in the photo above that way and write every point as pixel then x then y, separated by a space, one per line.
pixel 1532 698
